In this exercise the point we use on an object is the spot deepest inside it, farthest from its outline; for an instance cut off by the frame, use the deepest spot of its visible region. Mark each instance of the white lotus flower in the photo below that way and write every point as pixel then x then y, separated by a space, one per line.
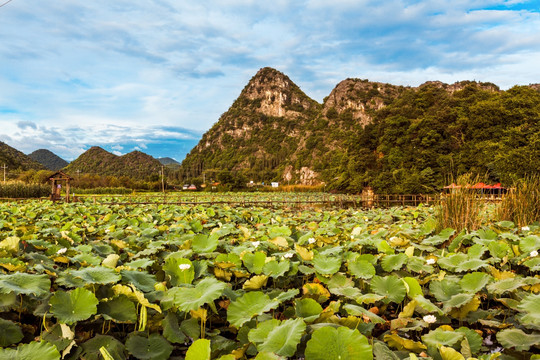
pixel 288 255
pixel 534 253
pixel 311 240
pixel 184 266
pixel 255 243
pixel 430 319
pixel 430 261
pixel 525 228
pixel 61 251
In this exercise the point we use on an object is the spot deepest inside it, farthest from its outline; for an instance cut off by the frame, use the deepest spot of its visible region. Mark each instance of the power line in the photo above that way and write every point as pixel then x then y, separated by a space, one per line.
pixel 7 2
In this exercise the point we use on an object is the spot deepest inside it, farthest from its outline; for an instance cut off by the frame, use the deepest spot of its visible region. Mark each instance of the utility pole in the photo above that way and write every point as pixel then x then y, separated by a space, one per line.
pixel 78 174
pixel 162 179
pixel 4 167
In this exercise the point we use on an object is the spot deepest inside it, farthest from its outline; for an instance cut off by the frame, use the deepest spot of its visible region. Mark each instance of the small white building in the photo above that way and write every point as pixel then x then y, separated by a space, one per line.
pixel 275 184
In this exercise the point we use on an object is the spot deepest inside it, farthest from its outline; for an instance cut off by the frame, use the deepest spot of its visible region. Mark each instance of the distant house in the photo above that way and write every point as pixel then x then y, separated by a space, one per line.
pixel 275 184
pixel 192 187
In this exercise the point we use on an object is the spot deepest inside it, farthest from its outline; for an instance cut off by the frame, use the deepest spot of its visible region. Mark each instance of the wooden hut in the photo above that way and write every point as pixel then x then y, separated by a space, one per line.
pixel 56 185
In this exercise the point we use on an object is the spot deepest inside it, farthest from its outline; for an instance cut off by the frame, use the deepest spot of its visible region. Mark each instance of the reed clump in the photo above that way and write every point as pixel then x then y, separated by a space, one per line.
pixel 459 208
pixel 20 190
pixel 521 204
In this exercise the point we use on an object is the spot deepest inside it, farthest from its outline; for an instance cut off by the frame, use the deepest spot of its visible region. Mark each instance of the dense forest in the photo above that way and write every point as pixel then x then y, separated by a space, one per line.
pixel 393 139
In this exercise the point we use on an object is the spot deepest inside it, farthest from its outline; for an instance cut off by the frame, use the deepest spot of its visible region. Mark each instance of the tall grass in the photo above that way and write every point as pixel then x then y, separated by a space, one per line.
pixel 521 204
pixel 19 190
pixel 460 209
pixel 103 191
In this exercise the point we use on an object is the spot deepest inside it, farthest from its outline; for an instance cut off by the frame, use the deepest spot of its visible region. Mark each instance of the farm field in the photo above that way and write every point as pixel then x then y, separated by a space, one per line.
pixel 158 281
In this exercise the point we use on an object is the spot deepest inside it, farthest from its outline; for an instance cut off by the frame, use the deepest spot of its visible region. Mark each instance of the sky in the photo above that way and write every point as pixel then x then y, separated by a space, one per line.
pixel 154 75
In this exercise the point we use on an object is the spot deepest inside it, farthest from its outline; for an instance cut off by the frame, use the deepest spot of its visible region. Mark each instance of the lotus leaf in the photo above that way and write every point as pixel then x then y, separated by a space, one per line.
pixel 530 305
pixel 199 350
pixel 248 305
pixel 360 311
pixel 393 262
pixel 447 353
pixel 192 298
pixel 440 337
pixel 529 243
pixel 179 269
pixel 275 269
pixel 139 263
pixel 326 265
pixel 389 286
pixel 505 285
pixel 141 280
pixel 397 342
pixel 276 231
pixel 265 355
pixel 254 262
pixel 118 309
pixel 153 347
pixel 444 289
pixel 413 287
pixel 381 351
pixel 452 261
pixel 316 291
pixel 75 305
pixel 308 309
pixel 96 275
pixel 518 339
pixel 278 337
pixel 328 343
pixel 22 283
pixel 361 269
pixel 470 264
pixel 171 329
pixel 28 351
pixel 202 243
pixel 473 339
pixel 427 305
pixel 10 333
pixel 90 348
pixel 474 282
pixel 457 301
pixel 255 283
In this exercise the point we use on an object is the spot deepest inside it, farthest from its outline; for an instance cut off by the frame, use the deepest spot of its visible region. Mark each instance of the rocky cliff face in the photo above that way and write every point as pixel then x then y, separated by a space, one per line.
pixel 360 97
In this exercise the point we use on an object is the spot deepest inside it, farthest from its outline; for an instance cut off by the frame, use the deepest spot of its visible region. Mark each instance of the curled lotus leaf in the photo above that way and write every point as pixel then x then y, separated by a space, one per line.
pixel 518 339
pixel 46 351
pixel 192 298
pixel 22 283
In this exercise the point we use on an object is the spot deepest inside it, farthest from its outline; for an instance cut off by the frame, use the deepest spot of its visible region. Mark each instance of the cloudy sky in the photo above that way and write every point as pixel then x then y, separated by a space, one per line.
pixel 154 75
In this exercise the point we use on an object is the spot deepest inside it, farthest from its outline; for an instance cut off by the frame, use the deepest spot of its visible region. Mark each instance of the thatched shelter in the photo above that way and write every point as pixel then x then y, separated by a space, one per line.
pixel 56 185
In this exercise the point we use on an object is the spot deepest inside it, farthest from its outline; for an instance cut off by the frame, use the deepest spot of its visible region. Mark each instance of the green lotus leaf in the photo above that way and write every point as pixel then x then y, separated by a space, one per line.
pixel 505 285
pixel 381 351
pixel 361 269
pixel 179 269
pixel 265 355
pixel 360 311
pixel 393 262
pixel 427 305
pixel 471 264
pixel 254 262
pixel 118 309
pixel 150 233
pixel 29 351
pixel 10 244
pixel 533 264
pixel 22 283
pixel 141 280
pixel 90 348
pixel 418 265
pixel 474 282
pixel 10 333
pixel 439 337
pixel 452 261
pixel 171 329
pixel 75 305
pixel 326 265
pixel 199 350
pixel 413 287
pixel 139 263
pixel 202 243
pixel 248 305
pixel 275 231
pixel 283 338
pixel 390 286
pixel 529 243
pixel 66 279
pixel 276 269
pixel 457 301
pixel 153 347
pixel 518 339
pixel 499 249
pixel 473 338
pixel 530 306
pixel 329 343
pixel 87 259
pixel 192 298
pixel 8 301
pixel 308 309
pixel 444 289
pixel 97 275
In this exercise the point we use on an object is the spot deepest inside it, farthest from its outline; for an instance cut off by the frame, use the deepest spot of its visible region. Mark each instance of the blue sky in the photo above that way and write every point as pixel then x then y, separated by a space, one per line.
pixel 154 75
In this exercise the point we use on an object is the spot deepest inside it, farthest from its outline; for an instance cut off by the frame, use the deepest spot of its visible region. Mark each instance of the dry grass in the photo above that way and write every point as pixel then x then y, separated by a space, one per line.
pixel 522 204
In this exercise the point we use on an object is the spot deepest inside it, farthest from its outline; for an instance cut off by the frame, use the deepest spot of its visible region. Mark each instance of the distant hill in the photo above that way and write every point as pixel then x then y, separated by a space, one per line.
pixel 168 161
pixel 394 139
pixel 48 159
pixel 136 165
pixel 16 160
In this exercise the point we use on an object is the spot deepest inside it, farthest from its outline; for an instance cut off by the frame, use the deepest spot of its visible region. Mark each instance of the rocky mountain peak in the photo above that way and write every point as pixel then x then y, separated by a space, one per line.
pixel 272 93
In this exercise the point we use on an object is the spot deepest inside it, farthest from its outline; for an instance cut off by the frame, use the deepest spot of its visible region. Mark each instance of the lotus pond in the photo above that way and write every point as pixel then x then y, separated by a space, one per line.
pixel 91 281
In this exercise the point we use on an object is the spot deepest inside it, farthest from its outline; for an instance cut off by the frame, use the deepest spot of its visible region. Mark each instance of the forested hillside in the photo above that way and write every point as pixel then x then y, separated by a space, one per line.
pixel 392 138
pixel 47 158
